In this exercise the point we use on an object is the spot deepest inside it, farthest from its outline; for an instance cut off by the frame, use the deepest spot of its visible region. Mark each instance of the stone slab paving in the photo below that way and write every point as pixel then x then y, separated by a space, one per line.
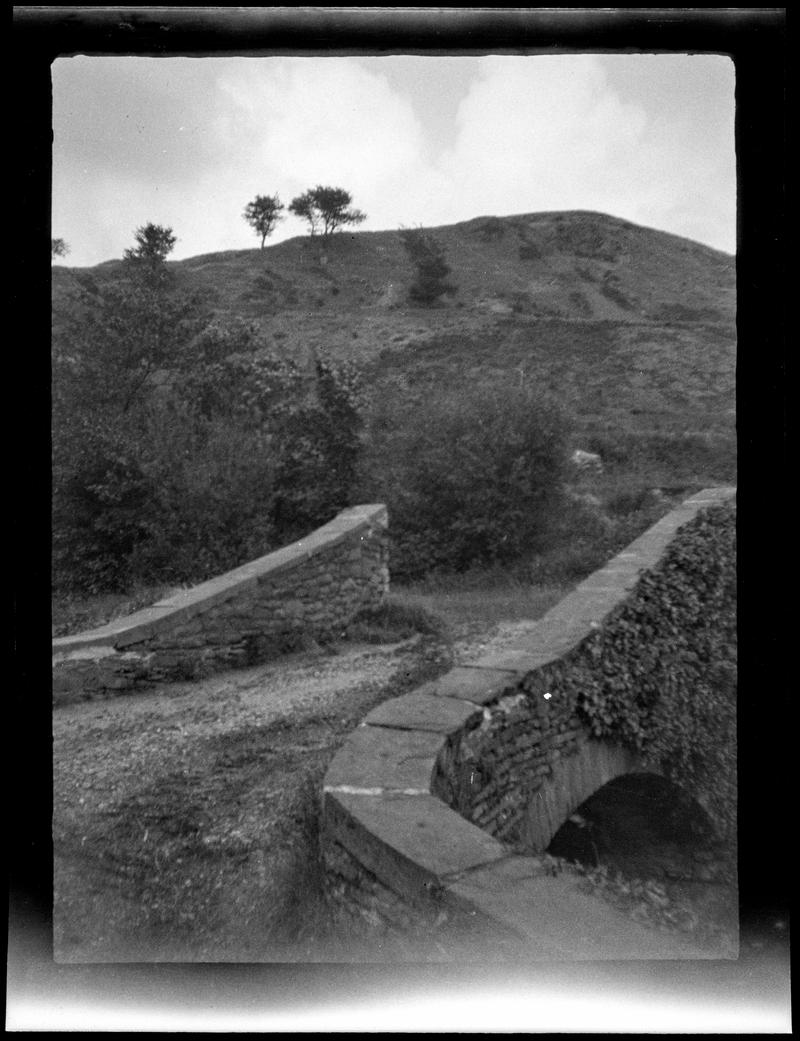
pixel 417 711
pixel 471 683
pixel 380 758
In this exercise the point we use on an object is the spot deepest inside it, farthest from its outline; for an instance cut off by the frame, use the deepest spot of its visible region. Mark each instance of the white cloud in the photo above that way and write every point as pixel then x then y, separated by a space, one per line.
pixel 552 133
pixel 189 142
pixel 300 122
pixel 540 134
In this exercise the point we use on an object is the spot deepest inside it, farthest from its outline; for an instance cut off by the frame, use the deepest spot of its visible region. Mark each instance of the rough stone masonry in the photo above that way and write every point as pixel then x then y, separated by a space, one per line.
pixel 312 588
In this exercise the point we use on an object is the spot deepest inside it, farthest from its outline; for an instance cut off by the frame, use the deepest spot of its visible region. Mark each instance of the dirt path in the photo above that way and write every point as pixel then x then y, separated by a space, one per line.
pixel 183 817
pixel 493 641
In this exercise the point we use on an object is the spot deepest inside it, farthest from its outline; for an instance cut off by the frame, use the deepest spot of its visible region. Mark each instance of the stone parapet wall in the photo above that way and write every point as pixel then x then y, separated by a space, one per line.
pixel 312 588
pixel 438 803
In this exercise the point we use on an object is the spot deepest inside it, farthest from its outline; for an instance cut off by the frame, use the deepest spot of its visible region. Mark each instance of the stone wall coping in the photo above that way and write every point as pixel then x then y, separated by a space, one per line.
pixel 420 711
pixel 188 603
pixel 410 841
pixel 473 683
pixel 378 798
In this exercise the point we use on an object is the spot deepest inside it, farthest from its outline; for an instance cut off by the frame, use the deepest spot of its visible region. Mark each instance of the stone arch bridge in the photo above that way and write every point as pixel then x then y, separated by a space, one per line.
pixel 439 802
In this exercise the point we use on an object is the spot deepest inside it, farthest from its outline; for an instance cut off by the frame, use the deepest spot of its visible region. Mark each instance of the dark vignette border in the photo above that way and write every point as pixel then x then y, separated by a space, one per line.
pixel 756 41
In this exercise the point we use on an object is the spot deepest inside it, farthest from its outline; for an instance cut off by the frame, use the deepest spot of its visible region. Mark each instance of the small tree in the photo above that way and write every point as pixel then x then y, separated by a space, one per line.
pixel 114 338
pixel 327 209
pixel 58 248
pixel 153 244
pixel 427 255
pixel 263 213
pixel 303 206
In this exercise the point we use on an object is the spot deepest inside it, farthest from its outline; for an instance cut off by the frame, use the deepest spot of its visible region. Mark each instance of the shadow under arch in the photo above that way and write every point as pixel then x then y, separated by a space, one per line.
pixel 576 779
pixel 641 823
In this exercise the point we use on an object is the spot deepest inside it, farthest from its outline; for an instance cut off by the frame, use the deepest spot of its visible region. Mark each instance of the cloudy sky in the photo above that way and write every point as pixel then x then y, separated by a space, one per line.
pixel 188 142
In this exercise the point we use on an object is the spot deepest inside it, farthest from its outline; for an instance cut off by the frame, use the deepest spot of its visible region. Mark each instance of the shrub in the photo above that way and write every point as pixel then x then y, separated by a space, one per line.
pixel 469 475
pixel 667 457
pixel 625 501
pixel 177 456
pixel 146 484
pixel 431 269
pixel 490 229
pixel 215 487
pixel 175 500
pixel 529 251
pixel 103 500
pixel 320 445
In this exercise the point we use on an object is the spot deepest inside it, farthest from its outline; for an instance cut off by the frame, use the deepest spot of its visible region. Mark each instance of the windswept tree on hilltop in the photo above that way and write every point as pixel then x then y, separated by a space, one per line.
pixel 263 214
pixel 326 209
pixel 58 248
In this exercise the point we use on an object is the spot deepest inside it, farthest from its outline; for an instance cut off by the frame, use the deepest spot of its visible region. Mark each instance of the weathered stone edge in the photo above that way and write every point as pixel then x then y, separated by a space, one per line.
pixel 352 812
pixel 191 602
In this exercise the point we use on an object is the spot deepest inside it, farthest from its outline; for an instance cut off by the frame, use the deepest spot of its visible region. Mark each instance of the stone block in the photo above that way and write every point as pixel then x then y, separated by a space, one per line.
pixel 417 711
pixel 378 758
pixel 480 685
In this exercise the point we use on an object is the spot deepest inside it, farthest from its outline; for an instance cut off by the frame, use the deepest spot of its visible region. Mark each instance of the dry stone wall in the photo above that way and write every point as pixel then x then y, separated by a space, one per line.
pixel 312 588
pixel 438 804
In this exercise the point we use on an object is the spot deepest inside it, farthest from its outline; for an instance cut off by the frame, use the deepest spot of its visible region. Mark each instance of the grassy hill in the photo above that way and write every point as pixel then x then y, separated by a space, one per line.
pixel 628 327
pixel 632 331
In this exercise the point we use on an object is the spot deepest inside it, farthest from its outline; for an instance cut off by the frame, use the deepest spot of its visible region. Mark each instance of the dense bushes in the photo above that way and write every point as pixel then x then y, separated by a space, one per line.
pixel 320 448
pixel 102 500
pixel 470 476
pixel 666 457
pixel 182 446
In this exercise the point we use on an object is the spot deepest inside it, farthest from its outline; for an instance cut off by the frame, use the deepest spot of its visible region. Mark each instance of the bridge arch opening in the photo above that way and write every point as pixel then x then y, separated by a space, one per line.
pixel 640 825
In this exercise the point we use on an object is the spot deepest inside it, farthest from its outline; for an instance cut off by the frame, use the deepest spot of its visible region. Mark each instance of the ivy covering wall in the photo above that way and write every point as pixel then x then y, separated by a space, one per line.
pixel 660 676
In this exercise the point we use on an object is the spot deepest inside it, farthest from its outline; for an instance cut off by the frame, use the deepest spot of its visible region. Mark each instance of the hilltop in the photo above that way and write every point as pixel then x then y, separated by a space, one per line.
pixel 628 327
